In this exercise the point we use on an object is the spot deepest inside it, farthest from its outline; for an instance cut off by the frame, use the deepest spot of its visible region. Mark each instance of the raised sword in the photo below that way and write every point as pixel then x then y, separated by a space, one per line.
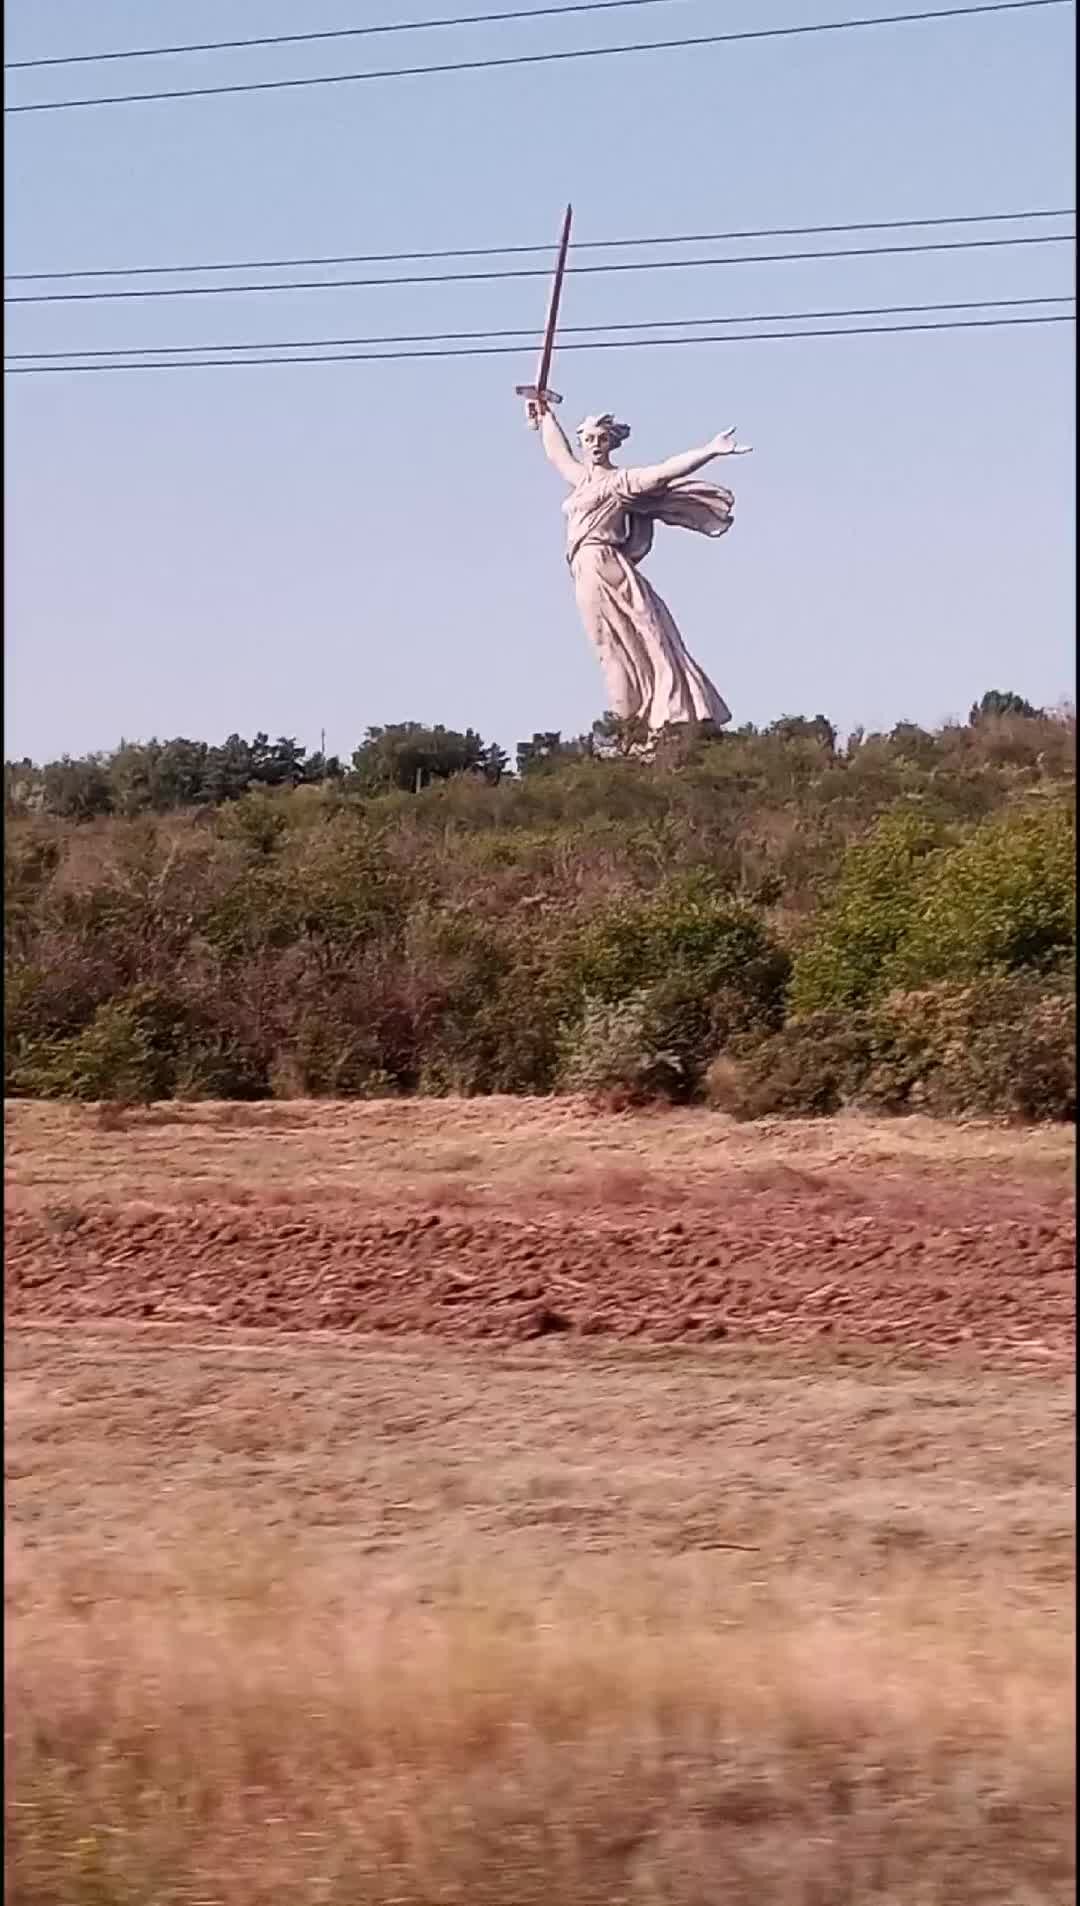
pixel 539 392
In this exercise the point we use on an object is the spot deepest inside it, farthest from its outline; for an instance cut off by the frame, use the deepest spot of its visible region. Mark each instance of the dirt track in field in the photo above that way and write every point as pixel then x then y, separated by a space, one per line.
pixel 505 1220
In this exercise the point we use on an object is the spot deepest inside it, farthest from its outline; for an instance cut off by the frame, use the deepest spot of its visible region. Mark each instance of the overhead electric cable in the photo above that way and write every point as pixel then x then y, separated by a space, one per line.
pixel 386 27
pixel 561 54
pixel 513 350
pixel 530 333
pixel 583 244
pixel 530 271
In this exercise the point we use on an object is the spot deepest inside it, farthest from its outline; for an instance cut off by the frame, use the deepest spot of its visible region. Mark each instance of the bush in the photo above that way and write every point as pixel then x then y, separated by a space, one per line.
pixel 687 934
pixel 655 985
pixel 486 1003
pixel 1001 1048
pixel 1005 1048
pixel 129 1051
pixel 868 917
pixel 612 1052
pixel 910 907
pixel 654 1044
pixel 1000 901
pixel 334 891
pixel 811 1068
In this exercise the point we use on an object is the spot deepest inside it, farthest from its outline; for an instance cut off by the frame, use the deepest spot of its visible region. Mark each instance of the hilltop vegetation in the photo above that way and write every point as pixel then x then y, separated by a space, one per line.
pixel 768 918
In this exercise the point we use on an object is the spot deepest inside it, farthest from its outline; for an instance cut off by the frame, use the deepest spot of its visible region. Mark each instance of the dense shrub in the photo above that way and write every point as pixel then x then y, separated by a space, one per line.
pixel 811 1068
pixel 912 905
pixel 485 1001
pixel 1001 900
pixel 129 1050
pixel 1005 1048
pixel 868 918
pixel 887 922
pixel 613 1052
pixel 333 891
pixel 1002 1047
pixel 684 932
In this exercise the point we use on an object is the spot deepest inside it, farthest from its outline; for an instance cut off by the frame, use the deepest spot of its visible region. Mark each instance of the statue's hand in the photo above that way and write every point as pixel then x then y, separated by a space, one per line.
pixel 725 445
pixel 532 414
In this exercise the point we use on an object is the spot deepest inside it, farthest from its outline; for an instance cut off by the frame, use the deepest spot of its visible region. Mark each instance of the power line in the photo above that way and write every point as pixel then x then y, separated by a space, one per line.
pixel 504 350
pixel 544 59
pixel 570 330
pixel 338 33
pixel 508 251
pixel 530 271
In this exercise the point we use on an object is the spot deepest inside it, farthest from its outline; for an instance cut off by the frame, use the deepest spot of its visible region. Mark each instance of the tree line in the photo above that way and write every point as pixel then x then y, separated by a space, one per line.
pixel 159 776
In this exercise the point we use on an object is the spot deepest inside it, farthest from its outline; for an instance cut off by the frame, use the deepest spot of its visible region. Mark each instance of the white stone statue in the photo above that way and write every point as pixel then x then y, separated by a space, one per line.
pixel 610 513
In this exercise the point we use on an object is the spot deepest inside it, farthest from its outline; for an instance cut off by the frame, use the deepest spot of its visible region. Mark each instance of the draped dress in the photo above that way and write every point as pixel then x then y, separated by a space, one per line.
pixel 610 515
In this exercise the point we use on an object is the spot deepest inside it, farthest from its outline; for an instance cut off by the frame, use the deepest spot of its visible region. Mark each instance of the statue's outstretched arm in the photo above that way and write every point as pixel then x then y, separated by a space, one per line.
pixel 555 442
pixel 653 476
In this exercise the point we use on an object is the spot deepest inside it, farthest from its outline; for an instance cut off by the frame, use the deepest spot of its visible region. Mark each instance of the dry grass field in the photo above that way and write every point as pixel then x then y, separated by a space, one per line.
pixel 396 1612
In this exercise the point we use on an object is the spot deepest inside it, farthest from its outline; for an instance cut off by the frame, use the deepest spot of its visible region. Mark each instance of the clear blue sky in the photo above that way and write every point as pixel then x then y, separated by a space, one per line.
pixel 324 547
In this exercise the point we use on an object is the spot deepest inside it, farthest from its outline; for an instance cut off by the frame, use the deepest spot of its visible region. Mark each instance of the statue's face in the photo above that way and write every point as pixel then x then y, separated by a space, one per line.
pixel 595 446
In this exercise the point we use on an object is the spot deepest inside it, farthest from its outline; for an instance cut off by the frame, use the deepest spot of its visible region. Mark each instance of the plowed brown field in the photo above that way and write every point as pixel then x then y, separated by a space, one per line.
pixel 507 1220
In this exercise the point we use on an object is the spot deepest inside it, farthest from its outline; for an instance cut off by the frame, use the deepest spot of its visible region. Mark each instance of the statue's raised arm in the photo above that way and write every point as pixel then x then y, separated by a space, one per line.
pixel 655 476
pixel 554 439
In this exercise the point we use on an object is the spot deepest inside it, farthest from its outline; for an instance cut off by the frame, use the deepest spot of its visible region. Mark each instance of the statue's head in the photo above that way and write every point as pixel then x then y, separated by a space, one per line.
pixel 599 436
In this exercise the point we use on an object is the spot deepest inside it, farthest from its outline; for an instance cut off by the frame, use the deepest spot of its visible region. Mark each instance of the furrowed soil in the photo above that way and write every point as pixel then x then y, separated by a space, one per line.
pixel 502 1220
pixel 354 1558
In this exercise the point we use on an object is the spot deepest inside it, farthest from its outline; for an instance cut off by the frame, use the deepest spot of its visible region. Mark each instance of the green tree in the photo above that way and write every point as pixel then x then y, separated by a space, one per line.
pixel 277 764
pixel 77 790
pixel 547 751
pixel 621 734
pixel 802 728
pixel 998 702
pixel 228 771
pixel 408 755
pixel 155 776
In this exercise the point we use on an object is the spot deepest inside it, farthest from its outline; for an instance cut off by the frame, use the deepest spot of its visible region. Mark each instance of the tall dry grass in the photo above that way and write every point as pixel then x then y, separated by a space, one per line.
pixel 236 1729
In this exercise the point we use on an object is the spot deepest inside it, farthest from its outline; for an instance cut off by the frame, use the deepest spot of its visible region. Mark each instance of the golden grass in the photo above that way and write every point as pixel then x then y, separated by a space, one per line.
pixel 327 1622
pixel 475 1151
pixel 248 1742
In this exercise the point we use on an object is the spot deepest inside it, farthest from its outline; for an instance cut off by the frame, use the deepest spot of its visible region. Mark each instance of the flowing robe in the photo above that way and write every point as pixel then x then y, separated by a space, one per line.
pixel 648 670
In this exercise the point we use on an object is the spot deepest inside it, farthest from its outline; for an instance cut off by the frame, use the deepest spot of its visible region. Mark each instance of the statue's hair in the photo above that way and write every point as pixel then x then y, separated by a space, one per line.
pixel 617 432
